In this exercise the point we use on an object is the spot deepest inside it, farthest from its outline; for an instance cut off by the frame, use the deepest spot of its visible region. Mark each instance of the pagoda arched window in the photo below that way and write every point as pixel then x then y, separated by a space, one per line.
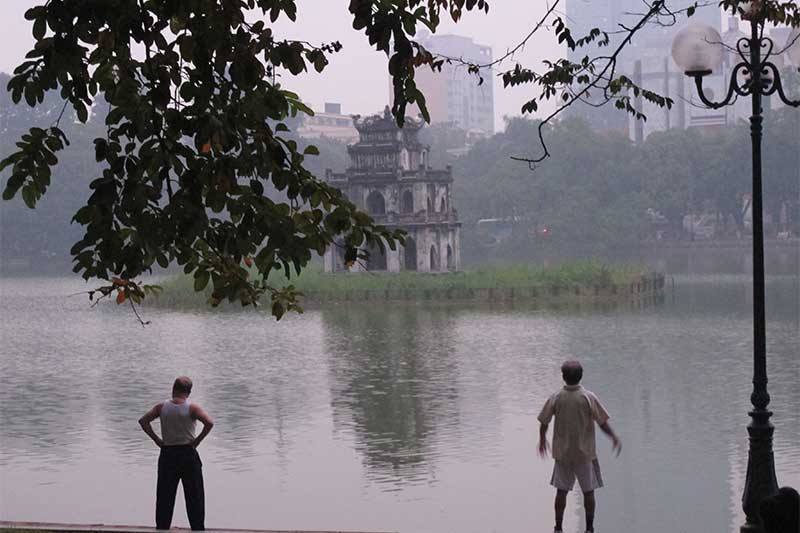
pixel 407 202
pixel 434 258
pixel 376 204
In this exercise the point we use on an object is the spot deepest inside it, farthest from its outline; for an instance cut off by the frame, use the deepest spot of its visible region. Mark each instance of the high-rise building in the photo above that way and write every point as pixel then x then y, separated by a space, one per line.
pixel 454 95
pixel 647 60
pixel 656 71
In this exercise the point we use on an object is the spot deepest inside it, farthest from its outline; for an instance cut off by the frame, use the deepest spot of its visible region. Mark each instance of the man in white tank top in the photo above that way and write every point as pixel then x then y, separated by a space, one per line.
pixel 179 460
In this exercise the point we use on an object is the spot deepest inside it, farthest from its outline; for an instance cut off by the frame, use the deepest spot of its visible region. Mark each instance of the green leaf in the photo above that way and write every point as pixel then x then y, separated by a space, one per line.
pixel 201 279
pixel 29 196
pixel 300 106
pixel 278 309
pixel 30 95
pixel 39 28
pixel 12 186
pixel 81 112
pixel 257 187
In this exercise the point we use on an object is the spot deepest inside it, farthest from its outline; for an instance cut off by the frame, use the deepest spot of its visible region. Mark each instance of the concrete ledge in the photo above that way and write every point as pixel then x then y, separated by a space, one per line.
pixel 51 526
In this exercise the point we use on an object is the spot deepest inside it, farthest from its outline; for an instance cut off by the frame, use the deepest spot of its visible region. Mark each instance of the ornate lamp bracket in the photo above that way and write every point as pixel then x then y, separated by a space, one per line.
pixel 765 83
pixel 776 86
pixel 734 87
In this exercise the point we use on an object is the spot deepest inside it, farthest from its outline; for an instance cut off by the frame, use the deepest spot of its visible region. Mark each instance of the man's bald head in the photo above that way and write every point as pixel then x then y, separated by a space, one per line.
pixel 572 372
pixel 182 385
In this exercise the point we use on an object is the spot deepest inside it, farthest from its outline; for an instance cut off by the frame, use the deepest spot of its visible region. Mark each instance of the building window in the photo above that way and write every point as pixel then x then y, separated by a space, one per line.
pixel 434 259
pixel 410 252
pixel 407 202
pixel 377 259
pixel 376 204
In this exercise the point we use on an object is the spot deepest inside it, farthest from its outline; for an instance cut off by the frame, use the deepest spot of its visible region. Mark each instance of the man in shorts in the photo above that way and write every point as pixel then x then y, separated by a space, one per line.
pixel 576 411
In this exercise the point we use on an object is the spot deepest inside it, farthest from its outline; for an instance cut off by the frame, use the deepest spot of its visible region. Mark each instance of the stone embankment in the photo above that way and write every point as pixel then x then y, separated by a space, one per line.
pixel 644 287
pixel 47 527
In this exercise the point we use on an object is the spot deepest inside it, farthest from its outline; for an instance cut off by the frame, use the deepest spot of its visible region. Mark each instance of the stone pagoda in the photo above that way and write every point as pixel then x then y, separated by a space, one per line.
pixel 389 178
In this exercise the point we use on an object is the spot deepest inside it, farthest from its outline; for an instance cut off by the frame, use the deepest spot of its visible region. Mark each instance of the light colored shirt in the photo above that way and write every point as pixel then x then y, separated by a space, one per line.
pixel 177 424
pixel 576 410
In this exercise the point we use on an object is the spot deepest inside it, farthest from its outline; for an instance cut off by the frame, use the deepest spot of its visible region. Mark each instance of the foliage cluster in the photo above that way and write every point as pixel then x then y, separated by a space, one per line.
pixel 42 238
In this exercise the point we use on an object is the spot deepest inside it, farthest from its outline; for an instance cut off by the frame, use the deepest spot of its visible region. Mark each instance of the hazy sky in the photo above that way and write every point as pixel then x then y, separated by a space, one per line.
pixel 357 77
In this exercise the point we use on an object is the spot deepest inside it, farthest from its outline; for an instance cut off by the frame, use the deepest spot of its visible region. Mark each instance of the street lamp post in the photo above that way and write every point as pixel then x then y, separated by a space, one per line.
pixel 698 51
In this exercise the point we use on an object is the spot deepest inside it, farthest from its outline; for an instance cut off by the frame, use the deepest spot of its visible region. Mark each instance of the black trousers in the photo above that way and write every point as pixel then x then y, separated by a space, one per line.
pixel 180 463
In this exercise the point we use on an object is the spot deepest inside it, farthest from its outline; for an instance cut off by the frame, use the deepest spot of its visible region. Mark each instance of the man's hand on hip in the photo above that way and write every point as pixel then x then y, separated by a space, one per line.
pixel 145 423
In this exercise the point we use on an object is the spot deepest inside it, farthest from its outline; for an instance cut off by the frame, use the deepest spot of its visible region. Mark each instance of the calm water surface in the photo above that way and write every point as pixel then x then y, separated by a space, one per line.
pixel 403 418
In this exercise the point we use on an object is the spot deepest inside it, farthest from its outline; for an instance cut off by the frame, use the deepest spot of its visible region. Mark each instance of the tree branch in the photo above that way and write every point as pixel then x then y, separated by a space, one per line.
pixel 609 68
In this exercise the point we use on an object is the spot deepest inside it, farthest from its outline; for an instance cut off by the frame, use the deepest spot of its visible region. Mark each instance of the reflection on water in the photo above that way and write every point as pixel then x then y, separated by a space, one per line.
pixel 387 386
pixel 405 418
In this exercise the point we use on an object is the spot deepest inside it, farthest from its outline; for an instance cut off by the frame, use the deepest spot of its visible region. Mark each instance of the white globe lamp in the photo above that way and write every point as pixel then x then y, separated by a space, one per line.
pixel 697 50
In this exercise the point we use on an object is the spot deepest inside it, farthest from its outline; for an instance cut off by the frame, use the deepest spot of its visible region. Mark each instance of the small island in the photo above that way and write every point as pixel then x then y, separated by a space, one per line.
pixel 581 281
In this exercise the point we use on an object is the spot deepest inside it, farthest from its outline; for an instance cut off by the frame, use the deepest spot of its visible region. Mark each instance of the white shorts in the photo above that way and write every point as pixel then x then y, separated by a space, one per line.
pixel 588 474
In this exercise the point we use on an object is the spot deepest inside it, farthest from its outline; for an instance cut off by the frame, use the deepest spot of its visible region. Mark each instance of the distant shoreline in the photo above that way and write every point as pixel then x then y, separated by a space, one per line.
pixel 744 243
pixel 60 265
pixel 20 266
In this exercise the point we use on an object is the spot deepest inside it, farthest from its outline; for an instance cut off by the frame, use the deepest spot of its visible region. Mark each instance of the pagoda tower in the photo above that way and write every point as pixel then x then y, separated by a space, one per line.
pixel 389 179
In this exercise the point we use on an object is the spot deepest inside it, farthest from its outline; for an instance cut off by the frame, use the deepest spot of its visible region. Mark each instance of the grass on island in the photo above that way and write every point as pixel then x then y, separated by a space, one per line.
pixel 179 291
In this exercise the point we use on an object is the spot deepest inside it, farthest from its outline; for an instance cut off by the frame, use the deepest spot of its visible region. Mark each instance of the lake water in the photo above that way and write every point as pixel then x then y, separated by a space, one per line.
pixel 399 418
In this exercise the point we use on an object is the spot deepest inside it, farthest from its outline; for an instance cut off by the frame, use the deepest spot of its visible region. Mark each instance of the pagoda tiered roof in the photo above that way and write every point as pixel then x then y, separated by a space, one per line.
pixel 385 122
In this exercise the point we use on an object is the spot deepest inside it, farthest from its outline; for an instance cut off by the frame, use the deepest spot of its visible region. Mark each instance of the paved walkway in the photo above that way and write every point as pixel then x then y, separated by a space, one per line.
pixel 49 526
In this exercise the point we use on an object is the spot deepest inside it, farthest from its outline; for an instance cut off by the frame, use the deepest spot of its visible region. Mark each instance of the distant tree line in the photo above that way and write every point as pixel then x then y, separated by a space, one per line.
pixel 600 190
pixel 595 192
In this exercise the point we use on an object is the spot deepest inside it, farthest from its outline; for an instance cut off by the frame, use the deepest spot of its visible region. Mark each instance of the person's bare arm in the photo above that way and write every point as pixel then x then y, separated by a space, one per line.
pixel 616 443
pixel 145 422
pixel 543 446
pixel 198 414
